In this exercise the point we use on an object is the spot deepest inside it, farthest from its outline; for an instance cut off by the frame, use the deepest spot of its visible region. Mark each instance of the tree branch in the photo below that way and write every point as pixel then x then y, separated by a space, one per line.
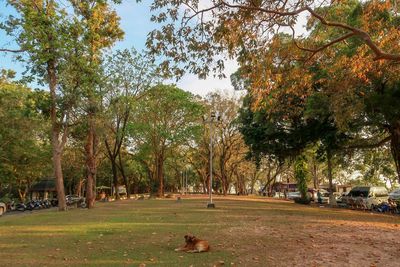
pixel 316 50
pixel 12 50
pixel 364 36
pixel 365 146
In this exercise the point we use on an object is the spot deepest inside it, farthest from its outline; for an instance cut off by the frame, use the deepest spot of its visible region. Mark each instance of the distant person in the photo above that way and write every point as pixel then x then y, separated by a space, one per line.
pixel 319 197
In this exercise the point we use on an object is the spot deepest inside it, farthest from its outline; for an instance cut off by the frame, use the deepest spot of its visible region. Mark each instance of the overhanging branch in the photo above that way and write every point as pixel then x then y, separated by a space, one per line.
pixel 368 146
pixel 364 36
pixel 12 50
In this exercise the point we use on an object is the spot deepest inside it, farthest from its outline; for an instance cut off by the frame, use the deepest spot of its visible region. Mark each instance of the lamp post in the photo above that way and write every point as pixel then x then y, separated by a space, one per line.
pixel 211 120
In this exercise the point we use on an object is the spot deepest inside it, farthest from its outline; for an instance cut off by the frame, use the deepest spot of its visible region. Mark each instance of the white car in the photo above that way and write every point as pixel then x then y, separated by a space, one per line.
pixel 3 208
pixel 395 194
pixel 293 195
pixel 369 196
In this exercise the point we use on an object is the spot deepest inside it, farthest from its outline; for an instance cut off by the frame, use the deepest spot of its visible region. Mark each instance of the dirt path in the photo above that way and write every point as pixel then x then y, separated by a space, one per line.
pixel 290 234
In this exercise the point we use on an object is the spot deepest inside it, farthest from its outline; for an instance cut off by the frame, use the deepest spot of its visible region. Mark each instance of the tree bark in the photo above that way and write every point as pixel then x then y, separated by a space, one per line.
pixel 55 132
pixel 115 177
pixel 126 181
pixel 315 174
pixel 78 190
pixel 160 175
pixel 329 158
pixel 395 146
pixel 332 200
pixel 62 205
pixel 90 163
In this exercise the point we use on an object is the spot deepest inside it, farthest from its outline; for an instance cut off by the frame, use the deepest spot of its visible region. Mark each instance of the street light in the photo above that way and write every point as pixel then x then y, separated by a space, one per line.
pixel 211 120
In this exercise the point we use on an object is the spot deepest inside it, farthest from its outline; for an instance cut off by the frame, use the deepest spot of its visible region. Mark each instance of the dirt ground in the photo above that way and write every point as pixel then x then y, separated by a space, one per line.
pixel 315 236
pixel 242 231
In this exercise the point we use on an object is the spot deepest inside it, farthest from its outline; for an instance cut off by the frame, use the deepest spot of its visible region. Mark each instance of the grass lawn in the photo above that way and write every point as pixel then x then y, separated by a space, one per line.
pixel 241 232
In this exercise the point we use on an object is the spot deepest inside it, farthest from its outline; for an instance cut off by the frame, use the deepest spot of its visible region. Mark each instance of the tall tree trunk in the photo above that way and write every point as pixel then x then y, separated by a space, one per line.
pixel 90 163
pixel 55 132
pixel 329 158
pixel 314 174
pixel 62 205
pixel 22 194
pixel 160 175
pixel 126 181
pixel 115 177
pixel 208 185
pixel 395 147
pixel 332 200
pixel 223 182
pixel 113 160
pixel 78 189
pixel 204 184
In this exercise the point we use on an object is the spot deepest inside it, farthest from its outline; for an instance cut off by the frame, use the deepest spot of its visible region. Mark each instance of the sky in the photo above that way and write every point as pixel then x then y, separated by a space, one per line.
pixel 135 21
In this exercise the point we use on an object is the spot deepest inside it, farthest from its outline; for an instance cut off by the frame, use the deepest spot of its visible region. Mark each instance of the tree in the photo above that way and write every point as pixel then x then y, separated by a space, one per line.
pixel 362 35
pixel 196 34
pixel 24 142
pixel 99 27
pixel 301 175
pixel 230 149
pixel 166 117
pixel 374 167
pixel 45 36
pixel 128 74
pixel 285 131
pixel 360 97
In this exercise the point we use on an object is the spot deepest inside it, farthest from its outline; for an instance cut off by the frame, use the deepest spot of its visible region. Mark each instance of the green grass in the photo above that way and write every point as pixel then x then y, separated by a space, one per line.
pixel 241 232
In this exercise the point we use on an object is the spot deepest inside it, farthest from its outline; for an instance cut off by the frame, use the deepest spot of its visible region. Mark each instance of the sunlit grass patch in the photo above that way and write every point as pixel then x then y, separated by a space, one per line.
pixel 246 233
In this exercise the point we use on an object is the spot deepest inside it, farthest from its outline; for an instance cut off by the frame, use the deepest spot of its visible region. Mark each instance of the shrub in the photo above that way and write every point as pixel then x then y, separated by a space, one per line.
pixel 301 175
pixel 304 201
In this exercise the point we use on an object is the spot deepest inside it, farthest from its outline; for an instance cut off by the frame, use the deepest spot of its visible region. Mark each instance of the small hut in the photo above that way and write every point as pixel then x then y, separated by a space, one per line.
pixel 43 189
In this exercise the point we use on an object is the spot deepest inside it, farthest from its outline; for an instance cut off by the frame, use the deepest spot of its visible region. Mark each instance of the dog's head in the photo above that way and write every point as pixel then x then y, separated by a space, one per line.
pixel 189 239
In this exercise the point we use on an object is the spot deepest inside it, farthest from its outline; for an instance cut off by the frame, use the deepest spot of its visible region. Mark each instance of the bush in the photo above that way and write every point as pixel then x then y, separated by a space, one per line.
pixel 301 176
pixel 305 201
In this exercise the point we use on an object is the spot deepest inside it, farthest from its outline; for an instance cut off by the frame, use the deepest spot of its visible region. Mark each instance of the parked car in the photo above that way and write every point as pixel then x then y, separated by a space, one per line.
pixel 75 199
pixel 3 208
pixel 313 195
pixel 324 196
pixel 342 198
pixel 371 196
pixel 293 195
pixel 395 194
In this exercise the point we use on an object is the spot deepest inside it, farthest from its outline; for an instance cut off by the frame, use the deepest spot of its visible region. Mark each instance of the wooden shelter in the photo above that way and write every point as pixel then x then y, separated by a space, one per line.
pixel 43 189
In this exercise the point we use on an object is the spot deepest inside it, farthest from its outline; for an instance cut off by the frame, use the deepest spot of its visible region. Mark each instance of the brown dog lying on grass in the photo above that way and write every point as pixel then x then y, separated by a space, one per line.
pixel 193 244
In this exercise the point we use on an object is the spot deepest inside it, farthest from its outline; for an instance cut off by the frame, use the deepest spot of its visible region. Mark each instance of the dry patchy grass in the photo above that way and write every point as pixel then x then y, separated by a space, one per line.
pixel 241 231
